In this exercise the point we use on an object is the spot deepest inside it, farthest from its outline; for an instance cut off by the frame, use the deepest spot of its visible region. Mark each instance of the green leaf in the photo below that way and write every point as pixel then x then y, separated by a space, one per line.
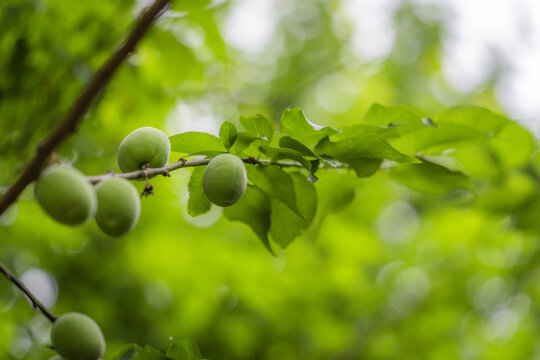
pixel 253 209
pixel 295 124
pixel 365 167
pixel 474 117
pixel 285 224
pixel 127 352
pixel 306 197
pixel 227 134
pixel 274 182
pixel 446 136
pixel 183 349
pixel 397 124
pixel 364 153
pixel 290 143
pixel 258 125
pixel 362 129
pixel 406 118
pixel 458 127
pixel 335 191
pixel 135 352
pixel 198 203
pixel 280 154
pixel 243 140
pixel 153 354
pixel 478 162
pixel 363 146
pixel 196 142
pixel 514 146
pixel 430 177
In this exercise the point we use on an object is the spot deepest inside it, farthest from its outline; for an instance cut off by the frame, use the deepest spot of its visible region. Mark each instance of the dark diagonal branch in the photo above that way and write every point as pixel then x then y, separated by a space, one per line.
pixel 36 304
pixel 81 105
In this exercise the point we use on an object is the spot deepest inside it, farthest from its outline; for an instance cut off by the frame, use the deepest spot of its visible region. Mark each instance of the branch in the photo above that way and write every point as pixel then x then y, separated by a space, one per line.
pixel 81 105
pixel 36 304
pixel 182 163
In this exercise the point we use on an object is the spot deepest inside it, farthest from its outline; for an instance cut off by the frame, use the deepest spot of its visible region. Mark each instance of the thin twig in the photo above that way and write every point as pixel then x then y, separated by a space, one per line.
pixel 36 304
pixel 81 105
pixel 182 163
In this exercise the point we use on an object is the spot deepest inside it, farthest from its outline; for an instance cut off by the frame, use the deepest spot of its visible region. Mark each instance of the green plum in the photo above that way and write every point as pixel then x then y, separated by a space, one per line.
pixel 225 179
pixel 119 206
pixel 145 145
pixel 77 337
pixel 65 194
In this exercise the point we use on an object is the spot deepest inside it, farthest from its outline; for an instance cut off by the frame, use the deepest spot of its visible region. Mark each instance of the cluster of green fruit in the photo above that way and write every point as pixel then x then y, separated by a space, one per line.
pixel 77 337
pixel 69 198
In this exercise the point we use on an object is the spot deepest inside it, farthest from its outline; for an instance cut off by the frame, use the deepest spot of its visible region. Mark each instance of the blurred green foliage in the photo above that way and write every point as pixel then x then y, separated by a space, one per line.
pixel 384 271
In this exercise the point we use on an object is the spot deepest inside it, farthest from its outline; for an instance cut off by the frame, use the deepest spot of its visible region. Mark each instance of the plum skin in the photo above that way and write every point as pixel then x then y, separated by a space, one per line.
pixel 119 206
pixel 65 195
pixel 146 145
pixel 225 180
pixel 76 336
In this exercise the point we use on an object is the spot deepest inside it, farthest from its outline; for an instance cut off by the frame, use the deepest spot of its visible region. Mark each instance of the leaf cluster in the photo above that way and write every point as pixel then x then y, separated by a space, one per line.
pixel 418 151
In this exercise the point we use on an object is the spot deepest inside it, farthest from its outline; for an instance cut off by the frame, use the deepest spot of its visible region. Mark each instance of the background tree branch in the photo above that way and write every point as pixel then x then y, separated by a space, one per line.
pixel 36 304
pixel 81 105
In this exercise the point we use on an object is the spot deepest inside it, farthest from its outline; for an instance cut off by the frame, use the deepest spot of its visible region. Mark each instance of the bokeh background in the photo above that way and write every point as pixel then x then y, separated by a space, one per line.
pixel 384 272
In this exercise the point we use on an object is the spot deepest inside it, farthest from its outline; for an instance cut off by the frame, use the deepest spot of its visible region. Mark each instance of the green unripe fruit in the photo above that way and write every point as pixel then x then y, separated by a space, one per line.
pixel 146 145
pixel 225 179
pixel 66 195
pixel 77 337
pixel 119 206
